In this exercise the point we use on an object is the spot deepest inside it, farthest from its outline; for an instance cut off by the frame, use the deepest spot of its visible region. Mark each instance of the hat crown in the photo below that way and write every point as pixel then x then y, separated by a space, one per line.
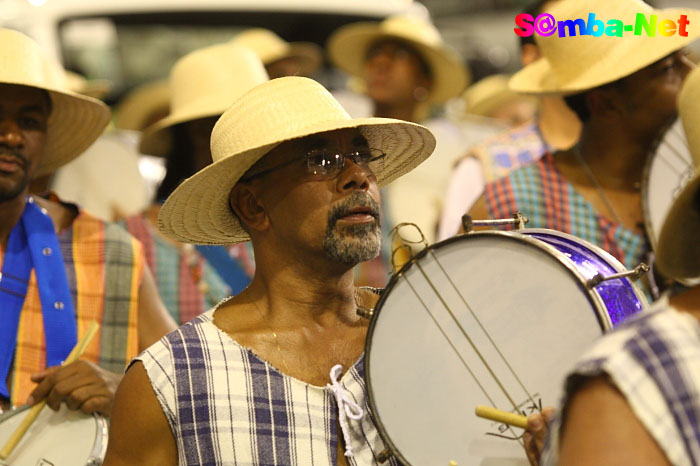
pixel 412 28
pixel 213 77
pixel 572 56
pixel 271 112
pixel 22 61
pixel 265 43
pixel 689 110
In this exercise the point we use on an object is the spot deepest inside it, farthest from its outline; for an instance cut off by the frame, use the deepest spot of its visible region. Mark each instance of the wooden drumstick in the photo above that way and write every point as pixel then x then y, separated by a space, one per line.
pixel 34 411
pixel 504 417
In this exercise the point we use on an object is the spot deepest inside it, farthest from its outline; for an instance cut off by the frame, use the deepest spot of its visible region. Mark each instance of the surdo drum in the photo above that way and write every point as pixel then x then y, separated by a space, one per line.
pixel 487 318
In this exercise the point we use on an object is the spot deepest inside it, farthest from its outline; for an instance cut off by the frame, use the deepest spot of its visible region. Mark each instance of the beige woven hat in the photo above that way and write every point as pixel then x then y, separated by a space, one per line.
pixel 486 95
pixel 575 64
pixel 143 106
pixel 203 84
pixel 276 111
pixel 76 121
pixel 678 249
pixel 270 47
pixel 348 47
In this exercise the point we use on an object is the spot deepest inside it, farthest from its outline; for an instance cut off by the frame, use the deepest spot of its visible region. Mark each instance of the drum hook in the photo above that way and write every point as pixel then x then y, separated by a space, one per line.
pixel 519 220
pixel 634 274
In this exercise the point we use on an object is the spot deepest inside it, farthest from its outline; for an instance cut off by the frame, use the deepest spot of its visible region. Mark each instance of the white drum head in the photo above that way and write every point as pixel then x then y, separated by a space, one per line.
pixel 58 438
pixel 534 308
pixel 667 171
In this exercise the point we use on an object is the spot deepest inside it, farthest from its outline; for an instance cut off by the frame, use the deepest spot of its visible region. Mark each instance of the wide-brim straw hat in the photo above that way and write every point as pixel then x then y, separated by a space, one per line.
pixel 277 111
pixel 678 249
pixel 143 106
pixel 488 94
pixel 203 84
pixel 348 47
pixel 76 121
pixel 572 65
pixel 270 48
pixel 95 88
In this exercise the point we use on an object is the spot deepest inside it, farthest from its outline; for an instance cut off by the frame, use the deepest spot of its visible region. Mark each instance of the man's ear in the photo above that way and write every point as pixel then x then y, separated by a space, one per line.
pixel 245 203
pixel 529 53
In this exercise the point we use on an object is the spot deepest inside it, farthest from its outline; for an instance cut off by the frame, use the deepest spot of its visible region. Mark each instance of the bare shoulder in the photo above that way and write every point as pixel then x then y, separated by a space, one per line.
pixel 61 215
pixel 139 432
pixel 600 428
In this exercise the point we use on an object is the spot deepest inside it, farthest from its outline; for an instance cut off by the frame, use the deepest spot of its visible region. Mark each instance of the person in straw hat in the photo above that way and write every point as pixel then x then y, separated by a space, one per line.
pixel 60 267
pixel 406 70
pixel 281 58
pixel 203 84
pixel 644 378
pixel 624 91
pixel 555 127
pixel 294 174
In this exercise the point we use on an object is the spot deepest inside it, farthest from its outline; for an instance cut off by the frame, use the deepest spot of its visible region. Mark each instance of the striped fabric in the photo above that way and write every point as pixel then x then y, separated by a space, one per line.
pixel 187 284
pixel 548 200
pixel 104 265
pixel 509 151
pixel 226 406
pixel 654 360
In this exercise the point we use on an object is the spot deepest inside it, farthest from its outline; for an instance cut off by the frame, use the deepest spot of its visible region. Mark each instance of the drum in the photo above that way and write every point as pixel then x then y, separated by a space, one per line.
pixel 489 318
pixel 56 438
pixel 668 169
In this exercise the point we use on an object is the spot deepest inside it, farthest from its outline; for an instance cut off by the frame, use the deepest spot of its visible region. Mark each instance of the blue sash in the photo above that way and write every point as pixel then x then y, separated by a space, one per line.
pixel 226 266
pixel 33 244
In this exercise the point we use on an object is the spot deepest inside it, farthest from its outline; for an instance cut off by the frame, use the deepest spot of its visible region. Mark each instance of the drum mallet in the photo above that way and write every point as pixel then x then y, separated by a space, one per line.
pixel 36 409
pixel 504 417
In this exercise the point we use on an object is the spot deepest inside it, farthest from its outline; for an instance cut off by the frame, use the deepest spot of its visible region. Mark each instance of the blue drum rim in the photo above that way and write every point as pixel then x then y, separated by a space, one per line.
pixel 595 300
pixel 605 255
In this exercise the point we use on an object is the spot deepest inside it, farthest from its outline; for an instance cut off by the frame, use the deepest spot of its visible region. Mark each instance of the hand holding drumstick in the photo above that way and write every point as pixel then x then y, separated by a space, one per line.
pixel 535 425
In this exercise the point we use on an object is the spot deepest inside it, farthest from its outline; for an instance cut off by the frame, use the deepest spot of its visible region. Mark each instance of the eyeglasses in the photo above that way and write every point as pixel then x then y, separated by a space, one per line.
pixel 325 164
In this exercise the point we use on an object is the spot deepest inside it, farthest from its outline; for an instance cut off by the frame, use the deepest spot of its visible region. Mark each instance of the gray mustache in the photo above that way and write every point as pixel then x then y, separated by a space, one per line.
pixel 355 200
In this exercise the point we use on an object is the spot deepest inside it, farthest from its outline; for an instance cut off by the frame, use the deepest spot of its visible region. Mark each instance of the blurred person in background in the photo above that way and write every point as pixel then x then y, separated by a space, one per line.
pixel 624 90
pixel 281 58
pixel 555 127
pixel 407 71
pixel 61 268
pixel 491 98
pixel 191 279
pixel 634 398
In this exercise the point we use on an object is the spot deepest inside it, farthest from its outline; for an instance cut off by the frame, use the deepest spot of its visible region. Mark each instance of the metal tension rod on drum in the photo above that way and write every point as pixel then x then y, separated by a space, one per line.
pixel 519 220
pixel 635 274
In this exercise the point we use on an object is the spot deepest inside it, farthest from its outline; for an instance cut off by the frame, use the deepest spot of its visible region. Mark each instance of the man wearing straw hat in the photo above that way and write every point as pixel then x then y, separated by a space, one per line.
pixel 640 386
pixel 61 268
pixel 203 84
pixel 407 69
pixel 555 127
pixel 624 90
pixel 273 375
pixel 281 58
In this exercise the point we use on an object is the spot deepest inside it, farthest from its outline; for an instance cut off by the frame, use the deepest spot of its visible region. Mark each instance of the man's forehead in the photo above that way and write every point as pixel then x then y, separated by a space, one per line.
pixel 351 136
pixel 24 97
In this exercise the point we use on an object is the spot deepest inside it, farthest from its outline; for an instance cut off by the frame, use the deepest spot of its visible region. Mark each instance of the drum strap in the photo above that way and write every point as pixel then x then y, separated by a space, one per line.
pixel 33 243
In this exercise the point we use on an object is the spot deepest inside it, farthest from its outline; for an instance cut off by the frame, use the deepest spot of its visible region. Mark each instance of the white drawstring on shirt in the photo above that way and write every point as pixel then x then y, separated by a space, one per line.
pixel 346 407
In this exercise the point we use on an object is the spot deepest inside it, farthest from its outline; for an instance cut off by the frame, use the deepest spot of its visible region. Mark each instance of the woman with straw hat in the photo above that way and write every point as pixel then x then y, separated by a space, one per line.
pixel 406 70
pixel 61 268
pixel 294 174
pixel 624 91
pixel 202 85
pixel 643 380
pixel 281 58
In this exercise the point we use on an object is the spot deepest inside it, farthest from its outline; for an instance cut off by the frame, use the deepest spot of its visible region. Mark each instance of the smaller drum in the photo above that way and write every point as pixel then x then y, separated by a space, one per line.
pixel 668 169
pixel 56 438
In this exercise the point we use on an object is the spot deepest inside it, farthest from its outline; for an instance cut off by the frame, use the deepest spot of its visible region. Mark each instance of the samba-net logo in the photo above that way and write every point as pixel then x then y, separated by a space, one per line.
pixel 546 25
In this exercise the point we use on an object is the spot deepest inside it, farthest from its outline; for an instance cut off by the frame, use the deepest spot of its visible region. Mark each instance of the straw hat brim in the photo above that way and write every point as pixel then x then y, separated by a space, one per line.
pixel 348 51
pixel 76 121
pixel 198 210
pixel 633 54
pixel 678 251
pixel 307 54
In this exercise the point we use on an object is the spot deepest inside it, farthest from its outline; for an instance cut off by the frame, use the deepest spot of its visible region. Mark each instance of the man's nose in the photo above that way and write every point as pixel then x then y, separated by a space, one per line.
pixel 10 133
pixel 354 177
